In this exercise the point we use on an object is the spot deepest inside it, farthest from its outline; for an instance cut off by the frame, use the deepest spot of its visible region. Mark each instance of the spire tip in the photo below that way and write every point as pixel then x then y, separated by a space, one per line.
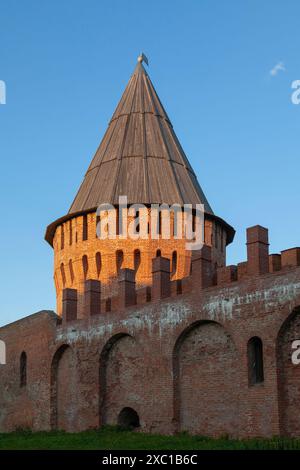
pixel 143 58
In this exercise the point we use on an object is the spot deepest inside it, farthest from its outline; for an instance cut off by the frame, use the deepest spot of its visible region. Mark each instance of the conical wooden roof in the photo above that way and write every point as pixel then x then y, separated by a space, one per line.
pixel 139 156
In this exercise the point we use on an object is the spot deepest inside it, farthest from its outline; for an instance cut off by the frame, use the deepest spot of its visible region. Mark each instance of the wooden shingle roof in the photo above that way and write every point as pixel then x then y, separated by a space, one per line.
pixel 139 157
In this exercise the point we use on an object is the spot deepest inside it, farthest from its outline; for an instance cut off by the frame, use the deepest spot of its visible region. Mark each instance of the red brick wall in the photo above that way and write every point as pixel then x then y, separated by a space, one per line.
pixel 289 377
pixel 64 382
pixel 207 367
pixel 69 271
pixel 120 374
pixel 29 406
pixel 208 381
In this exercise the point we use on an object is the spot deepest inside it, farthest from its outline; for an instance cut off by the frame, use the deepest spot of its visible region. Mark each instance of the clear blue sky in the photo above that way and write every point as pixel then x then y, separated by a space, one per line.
pixel 66 63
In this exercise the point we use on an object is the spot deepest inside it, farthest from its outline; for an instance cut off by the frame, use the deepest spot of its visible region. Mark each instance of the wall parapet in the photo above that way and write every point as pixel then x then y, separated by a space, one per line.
pixel 204 274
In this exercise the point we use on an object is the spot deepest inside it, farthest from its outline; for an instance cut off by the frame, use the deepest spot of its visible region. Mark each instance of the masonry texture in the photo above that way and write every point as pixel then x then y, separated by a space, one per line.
pixel 148 334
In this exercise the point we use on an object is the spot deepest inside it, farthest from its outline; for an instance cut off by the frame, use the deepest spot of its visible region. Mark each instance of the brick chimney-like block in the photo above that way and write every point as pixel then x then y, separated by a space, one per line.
pixel 127 292
pixel 92 297
pixel 290 257
pixel 69 301
pixel 127 275
pixel 257 250
pixel 202 275
pixel 257 233
pixel 203 254
pixel 161 264
pixel 274 263
pixel 161 284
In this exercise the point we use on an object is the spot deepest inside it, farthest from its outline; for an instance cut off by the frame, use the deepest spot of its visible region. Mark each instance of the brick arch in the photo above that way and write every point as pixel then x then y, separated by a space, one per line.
pixel 118 377
pixel 288 376
pixel 206 380
pixel 63 386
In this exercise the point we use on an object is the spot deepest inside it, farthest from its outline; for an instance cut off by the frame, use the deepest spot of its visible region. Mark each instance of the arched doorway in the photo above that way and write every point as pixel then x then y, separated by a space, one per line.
pixel 128 418
pixel 206 380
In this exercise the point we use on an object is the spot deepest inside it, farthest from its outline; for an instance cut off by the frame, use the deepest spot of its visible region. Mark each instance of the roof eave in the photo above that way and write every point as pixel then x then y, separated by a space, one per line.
pixel 50 231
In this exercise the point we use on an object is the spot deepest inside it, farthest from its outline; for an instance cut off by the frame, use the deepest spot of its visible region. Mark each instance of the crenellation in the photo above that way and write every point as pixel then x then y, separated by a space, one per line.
pixel 290 257
pixel 227 274
pixel 203 270
pixel 161 283
pixel 69 304
pixel 127 291
pixel 274 263
pixel 257 250
pixel 242 270
pixel 127 294
pixel 92 297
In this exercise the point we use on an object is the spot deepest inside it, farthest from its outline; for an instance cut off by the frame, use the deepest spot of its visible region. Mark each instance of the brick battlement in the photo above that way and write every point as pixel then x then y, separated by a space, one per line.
pixel 203 275
pixel 79 254
pixel 209 353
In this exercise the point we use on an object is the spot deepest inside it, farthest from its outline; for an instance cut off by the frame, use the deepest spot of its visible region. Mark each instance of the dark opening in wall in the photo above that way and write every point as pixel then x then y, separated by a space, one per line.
pixel 97 222
pixel 159 223
pixel 62 237
pixel 255 361
pixel 119 222
pixel 137 222
pixel 174 263
pixel 23 369
pixel 71 271
pixel 84 228
pixel 194 220
pixel 98 263
pixel 85 266
pixel 158 253
pixel 137 260
pixel 70 232
pixel 128 418
pixel 119 259
pixel 63 274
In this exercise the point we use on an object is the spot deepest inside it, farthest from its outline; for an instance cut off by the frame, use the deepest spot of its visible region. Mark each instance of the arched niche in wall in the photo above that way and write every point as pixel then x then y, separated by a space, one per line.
pixel 63 390
pixel 206 380
pixel 120 383
pixel 288 375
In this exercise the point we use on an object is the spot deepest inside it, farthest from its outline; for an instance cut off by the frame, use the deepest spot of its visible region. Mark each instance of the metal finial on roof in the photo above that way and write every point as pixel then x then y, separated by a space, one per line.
pixel 143 58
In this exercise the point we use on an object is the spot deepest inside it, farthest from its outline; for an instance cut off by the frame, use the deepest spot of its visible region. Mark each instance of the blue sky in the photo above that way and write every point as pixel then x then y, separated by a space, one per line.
pixel 65 65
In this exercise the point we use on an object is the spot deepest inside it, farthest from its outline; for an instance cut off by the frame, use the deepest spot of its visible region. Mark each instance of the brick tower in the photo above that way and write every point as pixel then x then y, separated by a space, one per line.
pixel 139 157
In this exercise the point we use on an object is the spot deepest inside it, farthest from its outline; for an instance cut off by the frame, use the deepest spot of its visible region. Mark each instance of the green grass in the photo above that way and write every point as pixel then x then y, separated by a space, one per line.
pixel 113 438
